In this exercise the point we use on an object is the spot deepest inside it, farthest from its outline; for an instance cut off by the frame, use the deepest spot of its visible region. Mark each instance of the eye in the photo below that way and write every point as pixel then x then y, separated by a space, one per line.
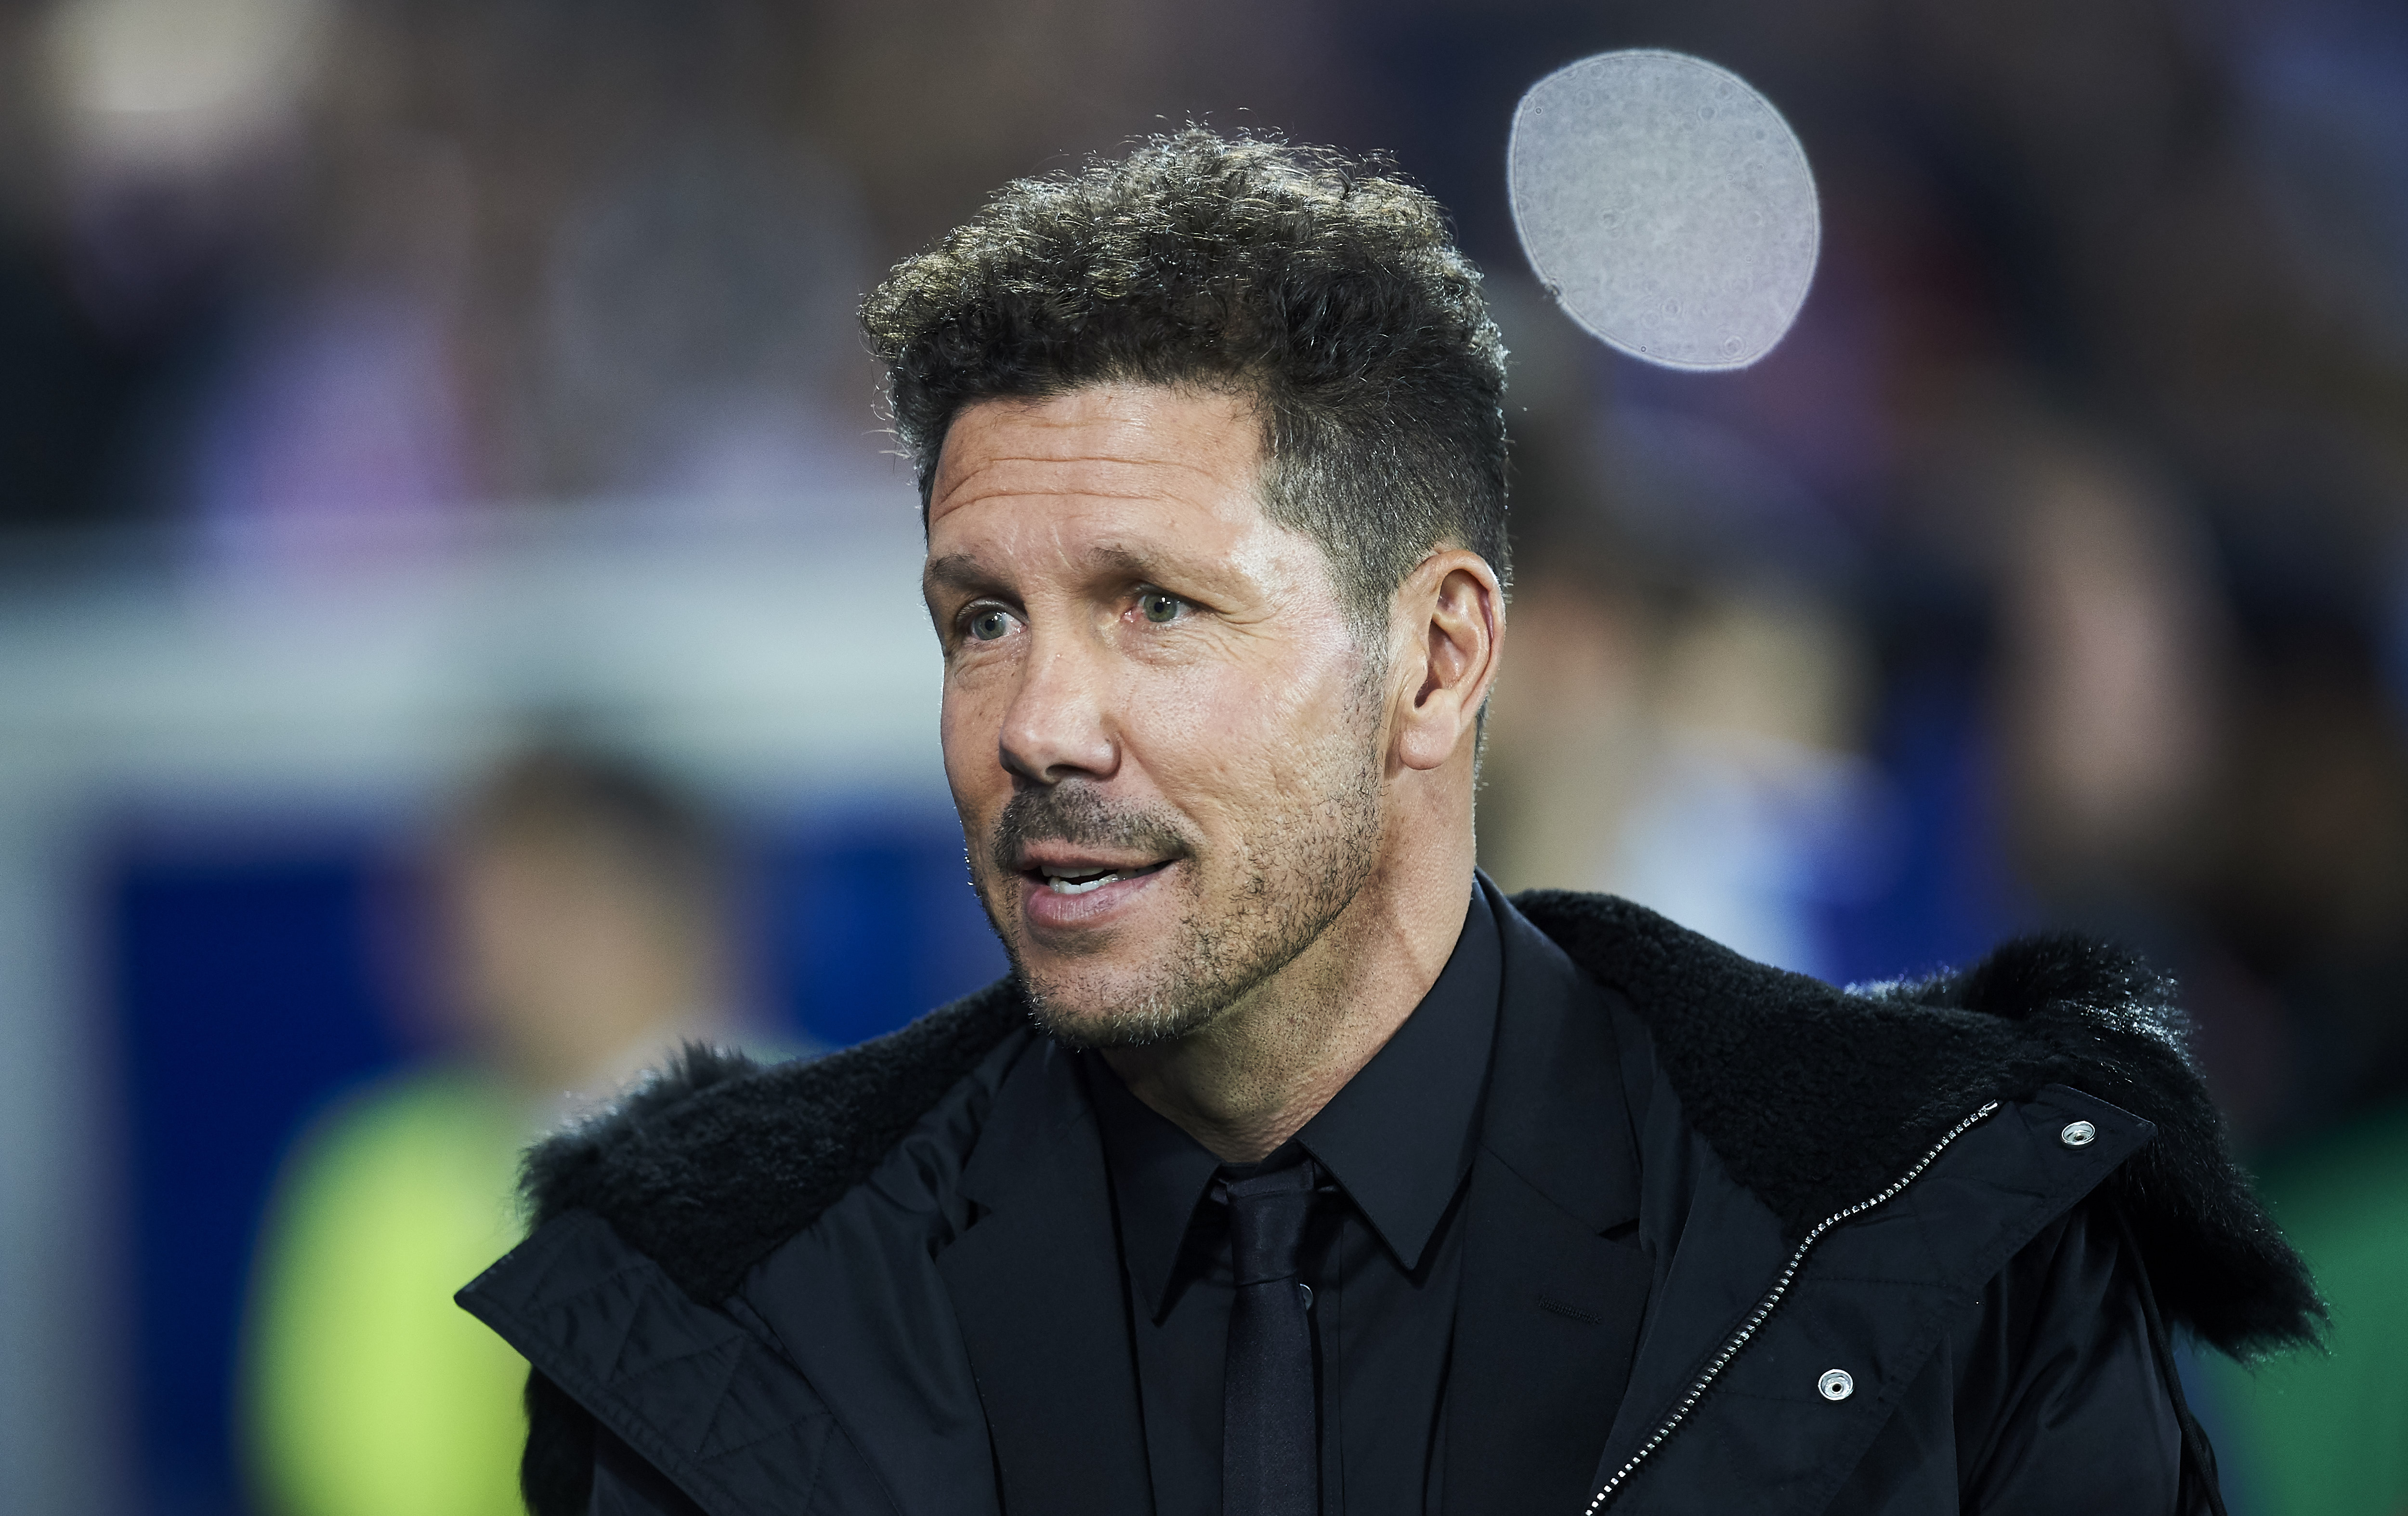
pixel 1159 605
pixel 989 624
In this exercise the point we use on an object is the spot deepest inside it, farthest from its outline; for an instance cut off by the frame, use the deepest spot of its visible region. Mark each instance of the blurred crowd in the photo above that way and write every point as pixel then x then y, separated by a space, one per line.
pixel 2050 574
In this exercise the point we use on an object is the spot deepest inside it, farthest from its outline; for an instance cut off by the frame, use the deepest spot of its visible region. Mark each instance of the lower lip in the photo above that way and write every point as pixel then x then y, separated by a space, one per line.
pixel 1047 911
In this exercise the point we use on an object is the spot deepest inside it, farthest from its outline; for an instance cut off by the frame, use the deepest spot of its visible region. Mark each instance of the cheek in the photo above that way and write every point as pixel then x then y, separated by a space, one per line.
pixel 1240 739
pixel 970 722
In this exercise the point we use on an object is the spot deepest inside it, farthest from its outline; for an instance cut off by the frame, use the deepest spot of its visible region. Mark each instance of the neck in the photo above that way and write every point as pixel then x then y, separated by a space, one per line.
pixel 1260 1071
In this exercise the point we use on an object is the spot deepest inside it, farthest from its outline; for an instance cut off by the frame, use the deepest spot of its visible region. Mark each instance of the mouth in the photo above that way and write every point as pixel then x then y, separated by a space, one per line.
pixel 1081 871
pixel 1085 878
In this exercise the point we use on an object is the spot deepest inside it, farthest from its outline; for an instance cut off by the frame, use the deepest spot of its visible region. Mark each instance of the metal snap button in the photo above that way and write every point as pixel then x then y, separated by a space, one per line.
pixel 1836 1384
pixel 2077 1135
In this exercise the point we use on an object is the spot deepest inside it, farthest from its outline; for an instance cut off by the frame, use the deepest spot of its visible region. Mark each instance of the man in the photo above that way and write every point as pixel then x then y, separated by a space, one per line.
pixel 1295 1169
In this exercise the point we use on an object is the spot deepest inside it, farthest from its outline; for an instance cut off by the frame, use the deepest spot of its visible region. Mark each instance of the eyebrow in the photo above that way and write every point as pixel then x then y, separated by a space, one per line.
pixel 958 570
pixel 966 572
pixel 1112 556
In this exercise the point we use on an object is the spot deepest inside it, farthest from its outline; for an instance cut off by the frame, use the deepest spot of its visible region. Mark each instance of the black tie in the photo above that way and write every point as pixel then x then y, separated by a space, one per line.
pixel 1269 1465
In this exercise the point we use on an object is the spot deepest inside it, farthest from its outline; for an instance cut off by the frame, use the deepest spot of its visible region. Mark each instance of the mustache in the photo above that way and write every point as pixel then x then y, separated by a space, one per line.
pixel 1075 813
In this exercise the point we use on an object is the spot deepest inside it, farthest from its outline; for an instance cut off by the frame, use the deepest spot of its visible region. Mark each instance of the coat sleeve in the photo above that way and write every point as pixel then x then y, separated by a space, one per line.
pixel 2062 1402
pixel 2056 1395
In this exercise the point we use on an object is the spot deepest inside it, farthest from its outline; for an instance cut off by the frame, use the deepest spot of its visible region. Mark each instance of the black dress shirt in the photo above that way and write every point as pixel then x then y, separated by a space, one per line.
pixel 1382 1252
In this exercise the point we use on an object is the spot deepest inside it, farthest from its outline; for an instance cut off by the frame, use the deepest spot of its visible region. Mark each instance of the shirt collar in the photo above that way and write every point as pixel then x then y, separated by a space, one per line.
pixel 1398 1139
pixel 1159 1176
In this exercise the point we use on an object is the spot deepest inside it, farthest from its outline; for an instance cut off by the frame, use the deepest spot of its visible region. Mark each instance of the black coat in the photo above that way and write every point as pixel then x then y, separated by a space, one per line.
pixel 868 1283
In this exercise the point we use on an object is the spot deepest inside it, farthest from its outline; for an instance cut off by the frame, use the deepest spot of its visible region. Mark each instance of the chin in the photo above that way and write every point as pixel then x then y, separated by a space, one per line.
pixel 1091 1011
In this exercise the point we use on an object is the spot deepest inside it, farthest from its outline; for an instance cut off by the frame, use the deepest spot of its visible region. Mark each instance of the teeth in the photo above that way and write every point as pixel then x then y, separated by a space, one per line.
pixel 1071 879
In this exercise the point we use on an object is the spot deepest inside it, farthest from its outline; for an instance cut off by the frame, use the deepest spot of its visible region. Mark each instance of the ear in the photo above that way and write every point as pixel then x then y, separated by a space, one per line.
pixel 1450 628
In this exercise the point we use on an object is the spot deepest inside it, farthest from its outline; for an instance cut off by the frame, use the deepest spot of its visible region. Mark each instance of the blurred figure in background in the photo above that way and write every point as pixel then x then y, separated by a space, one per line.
pixel 1699 744
pixel 2326 1434
pixel 1685 726
pixel 579 915
pixel 150 151
pixel 2301 1011
pixel 2113 688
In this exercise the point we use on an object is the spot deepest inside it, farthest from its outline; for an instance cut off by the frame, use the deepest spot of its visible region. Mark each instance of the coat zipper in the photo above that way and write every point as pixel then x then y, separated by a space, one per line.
pixel 1764 1308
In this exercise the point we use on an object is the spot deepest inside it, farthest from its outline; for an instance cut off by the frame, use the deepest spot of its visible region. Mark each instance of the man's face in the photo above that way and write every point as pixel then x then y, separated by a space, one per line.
pixel 1162 735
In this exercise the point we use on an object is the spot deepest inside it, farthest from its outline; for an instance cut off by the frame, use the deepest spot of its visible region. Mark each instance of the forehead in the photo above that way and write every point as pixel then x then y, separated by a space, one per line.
pixel 1113 448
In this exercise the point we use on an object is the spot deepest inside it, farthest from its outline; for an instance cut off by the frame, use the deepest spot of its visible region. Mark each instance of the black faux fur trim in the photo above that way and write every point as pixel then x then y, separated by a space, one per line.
pixel 710 1163
pixel 1814 1098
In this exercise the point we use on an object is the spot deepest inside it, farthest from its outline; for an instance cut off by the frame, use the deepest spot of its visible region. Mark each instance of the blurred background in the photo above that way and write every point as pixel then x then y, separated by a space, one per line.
pixel 458 629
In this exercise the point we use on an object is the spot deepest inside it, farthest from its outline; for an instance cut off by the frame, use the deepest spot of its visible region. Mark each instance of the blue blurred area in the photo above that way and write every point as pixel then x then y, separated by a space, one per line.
pixel 251 992
pixel 1949 893
pixel 866 921
pixel 247 996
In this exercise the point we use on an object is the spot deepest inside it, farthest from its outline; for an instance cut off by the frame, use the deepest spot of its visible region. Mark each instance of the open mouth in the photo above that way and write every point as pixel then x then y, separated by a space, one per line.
pixel 1076 879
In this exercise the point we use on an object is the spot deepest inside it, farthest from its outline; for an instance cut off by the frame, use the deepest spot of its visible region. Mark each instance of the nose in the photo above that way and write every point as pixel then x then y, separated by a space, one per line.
pixel 1055 728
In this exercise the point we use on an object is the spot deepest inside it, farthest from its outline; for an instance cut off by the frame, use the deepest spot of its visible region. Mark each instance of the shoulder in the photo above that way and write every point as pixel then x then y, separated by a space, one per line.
pixel 1814 1096
pixel 711 1163
pixel 435 1109
pixel 430 1144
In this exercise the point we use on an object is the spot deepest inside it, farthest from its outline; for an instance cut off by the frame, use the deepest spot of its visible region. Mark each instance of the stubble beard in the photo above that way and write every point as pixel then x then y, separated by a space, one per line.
pixel 1297 873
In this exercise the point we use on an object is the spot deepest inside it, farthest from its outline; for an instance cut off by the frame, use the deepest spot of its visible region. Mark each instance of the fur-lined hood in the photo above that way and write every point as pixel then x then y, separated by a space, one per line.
pixel 1812 1096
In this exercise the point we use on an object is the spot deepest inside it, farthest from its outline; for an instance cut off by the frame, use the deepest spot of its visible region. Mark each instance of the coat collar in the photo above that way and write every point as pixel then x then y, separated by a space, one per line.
pixel 719 1412
pixel 1554 1291
pixel 1555 1111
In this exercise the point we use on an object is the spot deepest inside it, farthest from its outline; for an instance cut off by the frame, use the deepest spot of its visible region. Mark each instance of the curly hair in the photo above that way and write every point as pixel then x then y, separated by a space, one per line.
pixel 1322 287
